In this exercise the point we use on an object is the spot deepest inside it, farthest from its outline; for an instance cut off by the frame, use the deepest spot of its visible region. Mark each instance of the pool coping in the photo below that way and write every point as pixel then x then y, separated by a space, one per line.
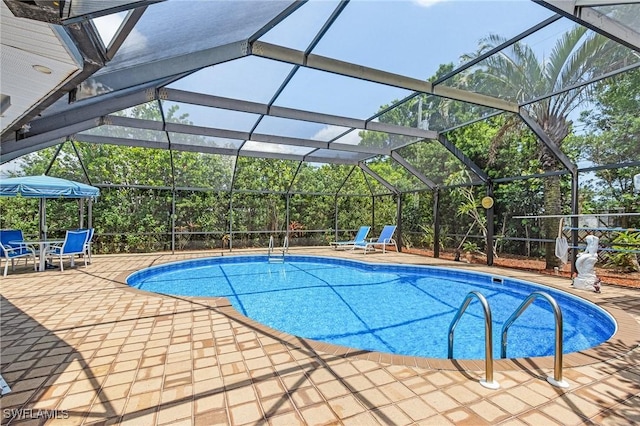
pixel 625 339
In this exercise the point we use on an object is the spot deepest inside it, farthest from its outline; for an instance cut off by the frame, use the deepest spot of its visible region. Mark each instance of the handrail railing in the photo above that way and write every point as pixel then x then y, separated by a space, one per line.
pixel 556 380
pixel 270 250
pixel 488 382
pixel 285 249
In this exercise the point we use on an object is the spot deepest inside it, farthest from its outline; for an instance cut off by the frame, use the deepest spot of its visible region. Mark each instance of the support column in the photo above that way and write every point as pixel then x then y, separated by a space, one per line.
pixel 43 218
pixel 230 220
pixel 399 221
pixel 436 223
pixel 490 228
pixel 574 219
pixel 90 214
pixel 287 215
pixel 81 211
pixel 173 221
pixel 335 209
pixel 373 211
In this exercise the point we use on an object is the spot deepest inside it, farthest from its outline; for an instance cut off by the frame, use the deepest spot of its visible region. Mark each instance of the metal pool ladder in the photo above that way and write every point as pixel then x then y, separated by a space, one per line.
pixel 488 382
pixel 277 258
pixel 556 380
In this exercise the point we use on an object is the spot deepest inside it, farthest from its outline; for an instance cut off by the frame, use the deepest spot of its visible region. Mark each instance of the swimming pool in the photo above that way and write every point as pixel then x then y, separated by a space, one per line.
pixel 400 309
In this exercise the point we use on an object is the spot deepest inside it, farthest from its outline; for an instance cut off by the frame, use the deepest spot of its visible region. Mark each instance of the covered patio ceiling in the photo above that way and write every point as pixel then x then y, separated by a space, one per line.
pixel 295 80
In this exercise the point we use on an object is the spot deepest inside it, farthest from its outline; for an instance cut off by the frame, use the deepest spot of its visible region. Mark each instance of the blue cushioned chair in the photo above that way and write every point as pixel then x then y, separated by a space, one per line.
pixel 10 248
pixel 74 243
pixel 87 244
pixel 385 239
pixel 361 237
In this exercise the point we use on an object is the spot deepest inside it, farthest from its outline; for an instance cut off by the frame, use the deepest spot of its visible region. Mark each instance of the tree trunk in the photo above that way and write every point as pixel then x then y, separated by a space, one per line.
pixel 557 128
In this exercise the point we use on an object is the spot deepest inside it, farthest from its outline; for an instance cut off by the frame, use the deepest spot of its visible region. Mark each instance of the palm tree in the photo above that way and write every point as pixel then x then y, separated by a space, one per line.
pixel 517 74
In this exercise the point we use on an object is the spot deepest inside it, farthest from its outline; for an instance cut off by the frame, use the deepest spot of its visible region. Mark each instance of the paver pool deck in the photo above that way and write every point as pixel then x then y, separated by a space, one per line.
pixel 84 348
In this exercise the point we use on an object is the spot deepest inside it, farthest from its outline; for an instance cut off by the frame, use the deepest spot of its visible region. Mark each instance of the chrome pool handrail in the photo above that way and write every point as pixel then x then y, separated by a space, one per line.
pixel 556 380
pixel 488 382
pixel 285 249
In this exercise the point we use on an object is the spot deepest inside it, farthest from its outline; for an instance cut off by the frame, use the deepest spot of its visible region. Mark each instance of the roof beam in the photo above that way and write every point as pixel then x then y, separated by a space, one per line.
pixel 291 113
pixel 404 163
pixel 595 20
pixel 16 148
pixel 496 49
pixel 89 109
pixel 296 114
pixel 139 123
pixel 322 63
pixel 475 120
pixel 135 75
pixel 463 158
pixel 582 83
pixel 540 133
pixel 277 19
pixel 203 131
pixel 130 21
pixel 377 177
pixel 109 140
pixel 97 139
pixel 279 156
pixel 284 140
pixel 273 155
pixel 334 15
pixel 93 109
pixel 400 130
pixel 212 101
pixel 238 135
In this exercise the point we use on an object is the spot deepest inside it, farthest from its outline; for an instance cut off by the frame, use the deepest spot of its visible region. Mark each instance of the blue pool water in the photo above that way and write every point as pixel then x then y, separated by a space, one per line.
pixel 400 309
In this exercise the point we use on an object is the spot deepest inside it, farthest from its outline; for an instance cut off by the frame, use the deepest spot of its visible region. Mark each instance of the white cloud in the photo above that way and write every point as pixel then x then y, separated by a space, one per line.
pixel 427 3
pixel 108 25
pixel 329 132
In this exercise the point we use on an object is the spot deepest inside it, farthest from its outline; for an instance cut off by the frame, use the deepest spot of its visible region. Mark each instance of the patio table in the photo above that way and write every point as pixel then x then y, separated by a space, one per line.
pixel 42 245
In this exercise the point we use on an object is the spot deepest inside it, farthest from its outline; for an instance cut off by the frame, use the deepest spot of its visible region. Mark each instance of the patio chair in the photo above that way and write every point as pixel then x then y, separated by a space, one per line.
pixel 10 250
pixel 385 239
pixel 361 237
pixel 74 243
pixel 87 244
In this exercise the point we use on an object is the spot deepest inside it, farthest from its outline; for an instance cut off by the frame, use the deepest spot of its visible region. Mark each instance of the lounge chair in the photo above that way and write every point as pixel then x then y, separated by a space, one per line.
pixel 361 237
pixel 74 243
pixel 385 239
pixel 11 250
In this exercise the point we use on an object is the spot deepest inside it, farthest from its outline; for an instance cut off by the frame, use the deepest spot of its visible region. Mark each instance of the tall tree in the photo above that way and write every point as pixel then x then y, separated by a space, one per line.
pixel 518 74
pixel 612 131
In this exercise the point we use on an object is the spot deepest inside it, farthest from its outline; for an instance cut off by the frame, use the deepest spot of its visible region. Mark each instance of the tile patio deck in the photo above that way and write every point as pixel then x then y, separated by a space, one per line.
pixel 82 346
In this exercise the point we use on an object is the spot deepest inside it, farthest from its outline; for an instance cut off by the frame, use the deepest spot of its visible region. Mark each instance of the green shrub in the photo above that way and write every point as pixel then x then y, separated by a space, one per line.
pixel 624 257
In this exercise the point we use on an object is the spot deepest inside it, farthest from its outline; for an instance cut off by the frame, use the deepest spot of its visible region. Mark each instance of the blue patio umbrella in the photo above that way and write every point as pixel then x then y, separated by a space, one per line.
pixel 44 187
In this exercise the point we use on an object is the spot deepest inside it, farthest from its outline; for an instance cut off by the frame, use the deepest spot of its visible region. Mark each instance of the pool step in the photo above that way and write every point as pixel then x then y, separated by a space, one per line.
pixel 277 258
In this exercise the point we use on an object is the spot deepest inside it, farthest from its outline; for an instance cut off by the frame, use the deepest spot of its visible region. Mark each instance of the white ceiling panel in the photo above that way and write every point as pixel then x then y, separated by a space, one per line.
pixel 27 46
pixel 24 84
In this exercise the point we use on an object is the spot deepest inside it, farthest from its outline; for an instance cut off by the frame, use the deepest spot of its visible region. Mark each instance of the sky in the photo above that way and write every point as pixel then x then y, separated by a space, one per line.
pixel 372 33
pixel 377 34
